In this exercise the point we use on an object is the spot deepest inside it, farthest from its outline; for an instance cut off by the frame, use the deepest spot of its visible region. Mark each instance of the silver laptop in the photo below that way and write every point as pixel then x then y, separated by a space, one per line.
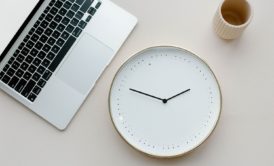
pixel 53 52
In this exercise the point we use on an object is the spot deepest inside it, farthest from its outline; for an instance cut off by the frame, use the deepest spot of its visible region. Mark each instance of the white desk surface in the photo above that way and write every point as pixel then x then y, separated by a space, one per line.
pixel 244 68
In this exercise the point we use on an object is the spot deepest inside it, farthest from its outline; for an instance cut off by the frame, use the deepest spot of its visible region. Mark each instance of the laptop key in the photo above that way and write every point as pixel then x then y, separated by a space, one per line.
pixel 41 18
pixel 60 42
pixel 6 79
pixel 10 72
pixel 21 84
pixel 45 63
pixel 56 34
pixel 26 38
pixel 62 53
pixel 62 11
pixel 49 17
pixel 48 32
pixel 50 56
pixel 29 45
pixel 47 10
pixel 51 3
pixel 30 85
pixel 65 35
pixel 31 31
pixel 53 25
pixel 86 5
pixel 32 97
pixel 82 24
pixel 36 90
pixel 15 65
pixel 53 10
pixel 88 18
pixel 67 5
pixel 61 28
pixel 74 21
pixel 11 60
pixel 36 61
pixel 77 32
pixel 24 66
pixel 55 49
pixel 79 2
pixel 41 55
pixel 41 83
pixel 75 7
pixel 79 15
pixel 92 11
pixel 44 24
pixel 58 18
pixel 21 46
pixel 51 41
pixel 70 14
pixel 36 77
pixel 58 4
pixel 41 70
pixel 6 68
pixel 16 53
pixel 19 73
pixel 29 59
pixel 65 21
pixel 27 76
pixel 34 37
pixel 69 28
pixel 43 38
pixel 46 48
pixel 98 5
pixel 32 69
pixel 47 75
pixel 34 52
pixel 25 51
pixel 38 45
pixel 13 82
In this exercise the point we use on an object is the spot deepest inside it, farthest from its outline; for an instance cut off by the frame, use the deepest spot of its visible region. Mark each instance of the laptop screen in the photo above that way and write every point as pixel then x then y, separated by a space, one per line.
pixel 12 15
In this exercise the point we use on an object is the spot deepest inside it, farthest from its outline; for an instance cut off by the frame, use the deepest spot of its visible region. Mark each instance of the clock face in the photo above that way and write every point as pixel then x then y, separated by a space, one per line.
pixel 165 101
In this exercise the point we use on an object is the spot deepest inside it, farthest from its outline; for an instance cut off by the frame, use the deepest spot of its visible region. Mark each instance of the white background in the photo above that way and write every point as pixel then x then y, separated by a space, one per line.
pixel 244 67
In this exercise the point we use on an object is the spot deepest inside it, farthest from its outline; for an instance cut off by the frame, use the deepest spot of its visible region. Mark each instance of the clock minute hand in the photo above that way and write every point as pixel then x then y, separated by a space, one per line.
pixel 178 94
pixel 146 94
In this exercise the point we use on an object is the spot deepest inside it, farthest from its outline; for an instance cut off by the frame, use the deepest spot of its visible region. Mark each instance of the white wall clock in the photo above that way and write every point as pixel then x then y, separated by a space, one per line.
pixel 165 101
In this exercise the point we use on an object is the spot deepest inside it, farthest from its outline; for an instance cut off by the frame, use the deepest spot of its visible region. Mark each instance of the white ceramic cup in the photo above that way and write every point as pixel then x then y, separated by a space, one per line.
pixel 231 18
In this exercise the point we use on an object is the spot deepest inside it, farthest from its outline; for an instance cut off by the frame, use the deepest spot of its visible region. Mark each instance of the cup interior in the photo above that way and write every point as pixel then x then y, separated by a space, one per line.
pixel 236 12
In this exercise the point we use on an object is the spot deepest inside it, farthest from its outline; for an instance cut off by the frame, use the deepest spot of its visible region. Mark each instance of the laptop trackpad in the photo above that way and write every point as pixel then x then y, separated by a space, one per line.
pixel 85 64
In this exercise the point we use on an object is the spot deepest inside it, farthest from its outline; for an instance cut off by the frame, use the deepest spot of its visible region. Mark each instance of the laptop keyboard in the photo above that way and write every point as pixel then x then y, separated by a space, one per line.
pixel 46 44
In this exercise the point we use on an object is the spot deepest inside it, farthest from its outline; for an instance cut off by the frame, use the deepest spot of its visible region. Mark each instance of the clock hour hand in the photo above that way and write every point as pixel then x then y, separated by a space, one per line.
pixel 146 94
pixel 178 94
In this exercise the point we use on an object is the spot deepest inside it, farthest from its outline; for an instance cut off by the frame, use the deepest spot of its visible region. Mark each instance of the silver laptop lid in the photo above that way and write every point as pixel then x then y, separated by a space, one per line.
pixel 14 21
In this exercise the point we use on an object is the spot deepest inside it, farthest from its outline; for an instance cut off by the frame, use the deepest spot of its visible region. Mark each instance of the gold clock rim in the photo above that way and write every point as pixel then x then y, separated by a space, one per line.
pixel 153 155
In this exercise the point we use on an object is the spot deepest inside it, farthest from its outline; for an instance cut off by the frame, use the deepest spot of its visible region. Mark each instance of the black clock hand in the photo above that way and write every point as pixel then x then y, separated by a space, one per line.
pixel 178 94
pixel 146 94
